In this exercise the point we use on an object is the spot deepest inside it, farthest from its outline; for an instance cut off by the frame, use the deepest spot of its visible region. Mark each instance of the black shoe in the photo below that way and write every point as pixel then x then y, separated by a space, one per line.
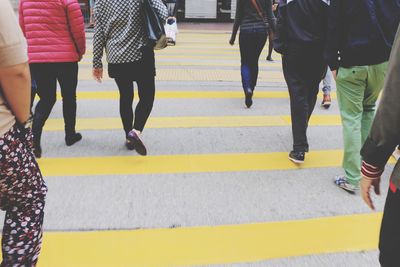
pixel 249 97
pixel 137 143
pixel 71 139
pixel 297 157
pixel 270 59
pixel 129 144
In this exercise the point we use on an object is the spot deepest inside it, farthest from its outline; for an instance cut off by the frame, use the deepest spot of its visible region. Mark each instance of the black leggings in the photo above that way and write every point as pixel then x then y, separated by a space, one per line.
pixel 390 231
pixel 146 90
pixel 46 77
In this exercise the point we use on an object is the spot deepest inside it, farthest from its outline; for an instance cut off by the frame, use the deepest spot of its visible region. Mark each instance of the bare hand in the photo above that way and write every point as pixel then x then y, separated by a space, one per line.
pixel 365 187
pixel 97 75
pixel 274 7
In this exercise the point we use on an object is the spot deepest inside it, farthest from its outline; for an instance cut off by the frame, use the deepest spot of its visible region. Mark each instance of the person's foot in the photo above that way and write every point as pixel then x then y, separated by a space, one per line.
pixel 137 143
pixel 396 153
pixel 269 58
pixel 129 145
pixel 297 157
pixel 326 101
pixel 341 182
pixel 71 139
pixel 248 97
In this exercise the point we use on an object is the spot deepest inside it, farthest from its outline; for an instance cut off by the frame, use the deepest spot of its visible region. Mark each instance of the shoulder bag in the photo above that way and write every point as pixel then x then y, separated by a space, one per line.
pixel 154 27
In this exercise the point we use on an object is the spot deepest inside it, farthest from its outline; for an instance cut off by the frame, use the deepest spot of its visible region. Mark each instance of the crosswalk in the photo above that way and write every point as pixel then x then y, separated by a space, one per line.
pixel 217 187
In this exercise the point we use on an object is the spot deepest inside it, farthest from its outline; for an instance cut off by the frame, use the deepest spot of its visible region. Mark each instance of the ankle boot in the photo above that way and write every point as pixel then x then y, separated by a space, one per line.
pixel 248 92
pixel 72 138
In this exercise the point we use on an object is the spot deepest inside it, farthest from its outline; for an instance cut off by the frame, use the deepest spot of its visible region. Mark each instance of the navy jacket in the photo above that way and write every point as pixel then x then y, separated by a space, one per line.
pixel 304 21
pixel 361 32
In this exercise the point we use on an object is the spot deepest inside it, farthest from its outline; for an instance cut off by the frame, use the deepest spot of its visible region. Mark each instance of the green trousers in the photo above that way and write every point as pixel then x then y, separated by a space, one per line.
pixel 358 89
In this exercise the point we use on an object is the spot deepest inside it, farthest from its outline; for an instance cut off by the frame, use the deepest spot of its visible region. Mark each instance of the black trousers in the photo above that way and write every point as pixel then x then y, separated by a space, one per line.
pixel 390 231
pixel 46 76
pixel 303 68
pixel 146 91
pixel 251 44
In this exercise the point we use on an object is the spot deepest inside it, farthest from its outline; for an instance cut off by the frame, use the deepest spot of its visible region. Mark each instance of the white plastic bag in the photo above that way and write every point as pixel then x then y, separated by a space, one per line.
pixel 171 31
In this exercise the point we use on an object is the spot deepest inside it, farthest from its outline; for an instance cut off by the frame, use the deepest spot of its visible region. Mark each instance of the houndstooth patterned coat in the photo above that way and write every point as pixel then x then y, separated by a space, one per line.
pixel 120 30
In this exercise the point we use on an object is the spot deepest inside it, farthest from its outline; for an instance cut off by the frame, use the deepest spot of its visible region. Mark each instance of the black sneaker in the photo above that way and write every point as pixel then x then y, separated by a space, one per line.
pixel 129 144
pixel 297 157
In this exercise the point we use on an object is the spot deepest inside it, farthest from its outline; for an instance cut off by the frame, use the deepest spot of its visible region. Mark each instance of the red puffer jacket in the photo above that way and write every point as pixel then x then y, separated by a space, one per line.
pixel 54 30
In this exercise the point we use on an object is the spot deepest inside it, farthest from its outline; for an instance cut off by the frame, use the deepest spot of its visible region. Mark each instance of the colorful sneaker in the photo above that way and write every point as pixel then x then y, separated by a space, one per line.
pixel 297 157
pixel 137 143
pixel 396 153
pixel 326 102
pixel 341 181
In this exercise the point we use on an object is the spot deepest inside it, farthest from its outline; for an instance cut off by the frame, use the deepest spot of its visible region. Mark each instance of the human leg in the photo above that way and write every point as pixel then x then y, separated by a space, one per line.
pixel 390 231
pixel 126 94
pixel 351 86
pixel 46 82
pixel 23 193
pixel 67 75
pixel 258 43
pixel 298 102
pixel 376 79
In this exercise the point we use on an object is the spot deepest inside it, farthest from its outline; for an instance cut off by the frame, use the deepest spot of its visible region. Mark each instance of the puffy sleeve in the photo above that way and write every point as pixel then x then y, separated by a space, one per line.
pixel 77 25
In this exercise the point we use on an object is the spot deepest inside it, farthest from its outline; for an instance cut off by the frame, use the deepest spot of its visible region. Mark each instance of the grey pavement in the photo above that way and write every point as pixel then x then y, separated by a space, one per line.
pixel 204 199
pixel 359 259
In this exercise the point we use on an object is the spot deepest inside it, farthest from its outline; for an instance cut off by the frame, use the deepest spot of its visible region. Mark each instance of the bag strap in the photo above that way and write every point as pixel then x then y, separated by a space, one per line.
pixel 257 7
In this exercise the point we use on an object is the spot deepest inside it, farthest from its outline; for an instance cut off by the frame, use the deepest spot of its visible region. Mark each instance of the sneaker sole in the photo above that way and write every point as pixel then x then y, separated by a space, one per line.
pixel 345 189
pixel 296 161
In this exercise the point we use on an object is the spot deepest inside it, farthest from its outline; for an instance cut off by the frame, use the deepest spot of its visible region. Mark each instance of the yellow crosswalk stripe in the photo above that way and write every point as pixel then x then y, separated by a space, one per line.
pixel 194 122
pixel 95 95
pixel 215 63
pixel 164 164
pixel 187 74
pixel 211 245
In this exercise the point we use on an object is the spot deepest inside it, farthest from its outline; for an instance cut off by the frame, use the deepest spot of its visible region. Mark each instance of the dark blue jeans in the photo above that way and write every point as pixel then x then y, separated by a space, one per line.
pixel 251 45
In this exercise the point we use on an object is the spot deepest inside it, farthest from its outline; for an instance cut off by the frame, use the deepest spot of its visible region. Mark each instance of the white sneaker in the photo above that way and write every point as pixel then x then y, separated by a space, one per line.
pixel 396 154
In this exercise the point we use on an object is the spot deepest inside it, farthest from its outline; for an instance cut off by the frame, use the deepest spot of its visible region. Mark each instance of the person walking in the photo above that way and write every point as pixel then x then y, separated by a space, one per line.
pixel 302 33
pixel 383 138
pixel 275 4
pixel 91 15
pixel 56 39
pixel 22 189
pixel 360 38
pixel 327 89
pixel 120 30
pixel 251 17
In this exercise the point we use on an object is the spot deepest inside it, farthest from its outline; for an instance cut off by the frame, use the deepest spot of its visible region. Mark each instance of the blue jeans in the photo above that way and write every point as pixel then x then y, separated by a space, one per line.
pixel 327 82
pixel 251 45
